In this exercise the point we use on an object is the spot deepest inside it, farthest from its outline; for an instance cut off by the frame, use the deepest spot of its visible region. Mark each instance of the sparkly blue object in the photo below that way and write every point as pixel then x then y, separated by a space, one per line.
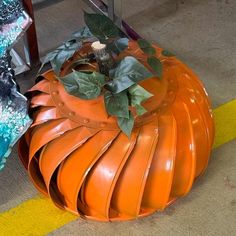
pixel 13 22
pixel 14 119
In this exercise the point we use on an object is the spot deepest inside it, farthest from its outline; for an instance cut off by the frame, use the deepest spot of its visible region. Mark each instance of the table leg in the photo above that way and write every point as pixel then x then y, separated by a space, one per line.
pixel 30 38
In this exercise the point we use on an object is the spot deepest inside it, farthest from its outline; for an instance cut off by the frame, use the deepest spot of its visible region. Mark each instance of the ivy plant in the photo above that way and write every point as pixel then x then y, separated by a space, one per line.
pixel 61 54
pixel 128 72
pixel 120 89
pixel 153 61
pixel 84 85
pixel 146 47
pixel 67 49
pixel 138 95
pixel 120 92
pixel 106 31
pixel 123 91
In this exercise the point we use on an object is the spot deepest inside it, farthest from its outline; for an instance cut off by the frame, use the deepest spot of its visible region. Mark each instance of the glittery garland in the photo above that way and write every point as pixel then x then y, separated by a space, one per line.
pixel 14 120
pixel 13 22
pixel 10 10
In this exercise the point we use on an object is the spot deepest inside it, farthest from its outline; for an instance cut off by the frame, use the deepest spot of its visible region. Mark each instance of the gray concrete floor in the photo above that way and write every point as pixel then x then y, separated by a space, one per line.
pixel 202 34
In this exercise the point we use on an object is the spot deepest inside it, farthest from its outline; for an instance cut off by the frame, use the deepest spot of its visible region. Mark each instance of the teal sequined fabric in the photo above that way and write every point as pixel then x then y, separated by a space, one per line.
pixel 14 119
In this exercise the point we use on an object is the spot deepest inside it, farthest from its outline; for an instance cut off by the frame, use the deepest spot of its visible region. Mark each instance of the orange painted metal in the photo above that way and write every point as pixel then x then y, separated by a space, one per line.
pixel 76 154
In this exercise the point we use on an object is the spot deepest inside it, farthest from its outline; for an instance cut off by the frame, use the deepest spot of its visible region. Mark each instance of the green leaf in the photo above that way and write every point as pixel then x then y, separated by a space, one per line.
pixel 83 85
pixel 156 66
pixel 149 51
pixel 143 43
pixel 128 72
pixel 61 54
pixel 66 50
pixel 50 56
pixel 126 124
pixel 101 26
pixel 64 53
pixel 138 95
pixel 117 104
pixel 140 110
pixel 119 45
pixel 146 47
pixel 167 53
pixel 122 44
pixel 70 84
pixel 83 33
pixel 119 85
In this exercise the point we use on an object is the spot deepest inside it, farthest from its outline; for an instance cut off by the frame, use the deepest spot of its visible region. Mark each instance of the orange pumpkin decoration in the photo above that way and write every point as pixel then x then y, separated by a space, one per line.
pixel 76 154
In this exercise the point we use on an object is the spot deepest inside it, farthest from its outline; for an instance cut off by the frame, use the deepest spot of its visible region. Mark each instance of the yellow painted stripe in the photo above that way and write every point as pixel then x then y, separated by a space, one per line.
pixel 38 216
pixel 225 122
